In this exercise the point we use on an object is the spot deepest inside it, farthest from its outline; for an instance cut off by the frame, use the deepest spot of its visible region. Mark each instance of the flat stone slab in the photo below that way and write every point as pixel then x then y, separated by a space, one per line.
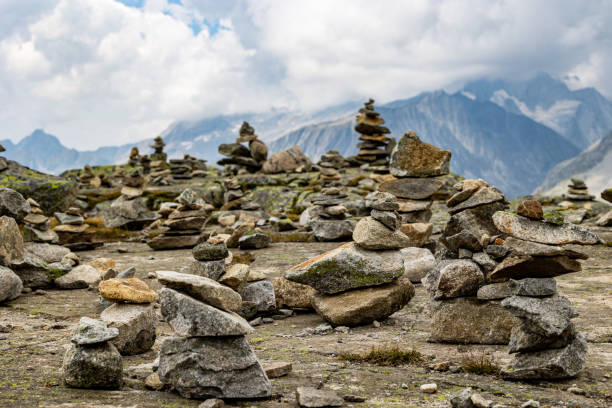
pixel 93 331
pixel 309 397
pixel 412 188
pixel 519 267
pixel 546 316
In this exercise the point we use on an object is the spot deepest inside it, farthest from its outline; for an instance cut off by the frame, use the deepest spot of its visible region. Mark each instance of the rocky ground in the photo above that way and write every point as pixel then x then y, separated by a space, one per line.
pixel 36 328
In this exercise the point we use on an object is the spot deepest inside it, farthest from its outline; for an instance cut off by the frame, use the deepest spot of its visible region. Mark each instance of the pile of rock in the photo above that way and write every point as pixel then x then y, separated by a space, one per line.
pixel 134 159
pixel 187 168
pixel 36 226
pixel 91 361
pixel 578 191
pixel 470 252
pixel 212 357
pixel 131 313
pixel 88 179
pixel 375 148
pixel 329 168
pixel 289 161
pixel 72 230
pixel 233 193
pixel 327 217
pixel 182 227
pixel 159 159
pixel 239 156
pixel 361 281
pixel 545 343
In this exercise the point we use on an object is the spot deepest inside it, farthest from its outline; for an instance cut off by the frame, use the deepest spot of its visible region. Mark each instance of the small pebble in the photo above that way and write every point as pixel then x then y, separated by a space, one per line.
pixel 531 404
pixel 576 390
pixel 151 275
pixel 429 388
pixel 376 323
pixel 479 401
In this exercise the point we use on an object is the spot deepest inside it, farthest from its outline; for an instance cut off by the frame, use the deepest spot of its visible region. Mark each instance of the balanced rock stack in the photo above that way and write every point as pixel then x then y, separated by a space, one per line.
pixel 361 281
pixel 577 191
pixel 233 193
pixel 182 228
pixel 375 148
pixel 159 158
pixel 187 168
pixel 327 217
pixel 211 358
pixel 417 167
pixel 36 225
pixel 134 159
pixel 88 179
pixel 92 361
pixel 241 157
pixel 329 166
pixel 72 231
pixel 133 185
pixel 470 252
pixel 131 314
pixel 145 163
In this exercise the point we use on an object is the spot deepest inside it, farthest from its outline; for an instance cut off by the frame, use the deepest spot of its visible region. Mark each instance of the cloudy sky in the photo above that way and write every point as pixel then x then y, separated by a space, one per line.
pixel 104 72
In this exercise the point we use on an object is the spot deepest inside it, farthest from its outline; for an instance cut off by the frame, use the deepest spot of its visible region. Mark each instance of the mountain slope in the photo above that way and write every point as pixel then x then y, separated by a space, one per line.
pixel 594 166
pixel 509 150
pixel 582 116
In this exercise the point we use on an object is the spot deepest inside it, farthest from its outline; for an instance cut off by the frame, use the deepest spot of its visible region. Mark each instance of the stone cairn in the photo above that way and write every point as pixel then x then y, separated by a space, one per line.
pixel 88 179
pixel 129 211
pixel 73 232
pixel 578 191
pixel 37 226
pixel 212 357
pixel 159 158
pixel 182 228
pixel 131 313
pixel 233 193
pixel 417 167
pixel 330 165
pixel 134 159
pixel 145 163
pixel 92 361
pixel 545 343
pixel 241 158
pixel 361 281
pixel 327 217
pixel 375 148
pixel 187 168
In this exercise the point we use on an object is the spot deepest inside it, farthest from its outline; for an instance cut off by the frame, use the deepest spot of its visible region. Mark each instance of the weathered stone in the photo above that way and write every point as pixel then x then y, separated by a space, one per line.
pixel 80 277
pixel 256 240
pixel 381 201
pixel 542 232
pixel 276 369
pixel 348 267
pixel 36 273
pixel 94 366
pixel 475 220
pixel 47 252
pixel 13 205
pixel 204 367
pixel 524 340
pixel 234 149
pixel 463 399
pixel 417 232
pixel 530 209
pixel 371 234
pixel 484 260
pixel 483 196
pixel 495 291
pixel 31 234
pixel 190 318
pixel 465 190
pixel 389 219
pixel 236 277
pixel 417 263
pixel 470 321
pixel 549 364
pixel 248 310
pixel 412 188
pixel 291 294
pixel 207 251
pixel 259 150
pixel 69 219
pixel 523 266
pixel 136 325
pixel 413 205
pixel 309 397
pixel 463 239
pixel 189 223
pixel 262 294
pixel 287 161
pixel 132 214
pixel 412 158
pixel 331 230
pixel 521 247
pixel 10 285
pixel 11 242
pixel 546 316
pixel 212 403
pixel 525 287
pixel 162 242
pixel 605 220
pixel 208 269
pixel 363 306
pixel 93 331
pixel 130 290
pixel 202 288
pixel 460 278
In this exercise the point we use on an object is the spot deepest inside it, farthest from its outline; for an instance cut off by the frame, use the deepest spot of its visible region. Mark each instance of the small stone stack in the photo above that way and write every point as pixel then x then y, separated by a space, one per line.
pixel 361 281
pixel 36 225
pixel 182 228
pixel 88 178
pixel 545 343
pixel 159 158
pixel 72 231
pixel 329 168
pixel 187 168
pixel 578 191
pixel 375 148
pixel 233 193
pixel 241 158
pixel 131 314
pixel 327 217
pixel 210 258
pixel 134 159
pixel 212 357
pixel 145 163
pixel 133 185
pixel 92 361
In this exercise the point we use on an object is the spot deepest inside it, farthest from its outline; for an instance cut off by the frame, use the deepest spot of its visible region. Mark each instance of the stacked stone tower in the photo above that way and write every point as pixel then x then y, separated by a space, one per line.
pixel 374 148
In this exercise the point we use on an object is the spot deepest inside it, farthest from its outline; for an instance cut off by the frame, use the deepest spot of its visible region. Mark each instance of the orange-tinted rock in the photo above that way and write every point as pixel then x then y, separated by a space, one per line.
pixel 530 209
pixel 131 290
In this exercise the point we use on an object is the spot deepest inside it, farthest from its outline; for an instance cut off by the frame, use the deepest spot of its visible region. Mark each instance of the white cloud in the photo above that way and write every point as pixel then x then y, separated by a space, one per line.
pixel 96 72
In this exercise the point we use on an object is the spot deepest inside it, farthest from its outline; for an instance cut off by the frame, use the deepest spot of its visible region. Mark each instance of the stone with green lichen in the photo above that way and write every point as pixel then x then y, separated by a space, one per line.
pixel 348 267
pixel 554 217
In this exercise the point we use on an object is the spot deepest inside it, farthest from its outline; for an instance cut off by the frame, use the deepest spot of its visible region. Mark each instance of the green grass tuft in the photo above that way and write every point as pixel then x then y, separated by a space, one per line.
pixel 391 356
pixel 479 365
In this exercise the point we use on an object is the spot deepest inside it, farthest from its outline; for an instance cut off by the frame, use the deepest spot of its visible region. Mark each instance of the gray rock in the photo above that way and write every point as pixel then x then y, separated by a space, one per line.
pixel 187 198
pixel 542 232
pixel 136 324
pixel 162 241
pixel 464 239
pixel 546 316
pixel 494 291
pixel 534 249
pixel 390 219
pixel 331 230
pixel 201 288
pixel 309 397
pixel 12 204
pixel 257 240
pixel 533 287
pixel 207 251
pixel 418 262
pixel 47 252
pixel 460 278
pixel 128 213
pixel 522 266
pixel 93 366
pixel 69 219
pixel 381 201
pixel 549 364
pixel 236 277
pixel 219 367
pixel 34 272
pixel 212 403
pixel 412 188
pixel 31 234
pixel 497 251
pixel 93 331
pixel 524 340
pixel 262 294
pixel 371 234
pixel 10 285
pixel 484 260
pixel 484 195
pixel 81 277
pixel 348 267
pixel 189 317
pixel 11 242
pixel 463 399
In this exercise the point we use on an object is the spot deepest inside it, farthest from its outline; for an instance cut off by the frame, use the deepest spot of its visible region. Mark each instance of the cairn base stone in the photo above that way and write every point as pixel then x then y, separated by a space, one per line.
pixel 136 324
pixel 94 366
